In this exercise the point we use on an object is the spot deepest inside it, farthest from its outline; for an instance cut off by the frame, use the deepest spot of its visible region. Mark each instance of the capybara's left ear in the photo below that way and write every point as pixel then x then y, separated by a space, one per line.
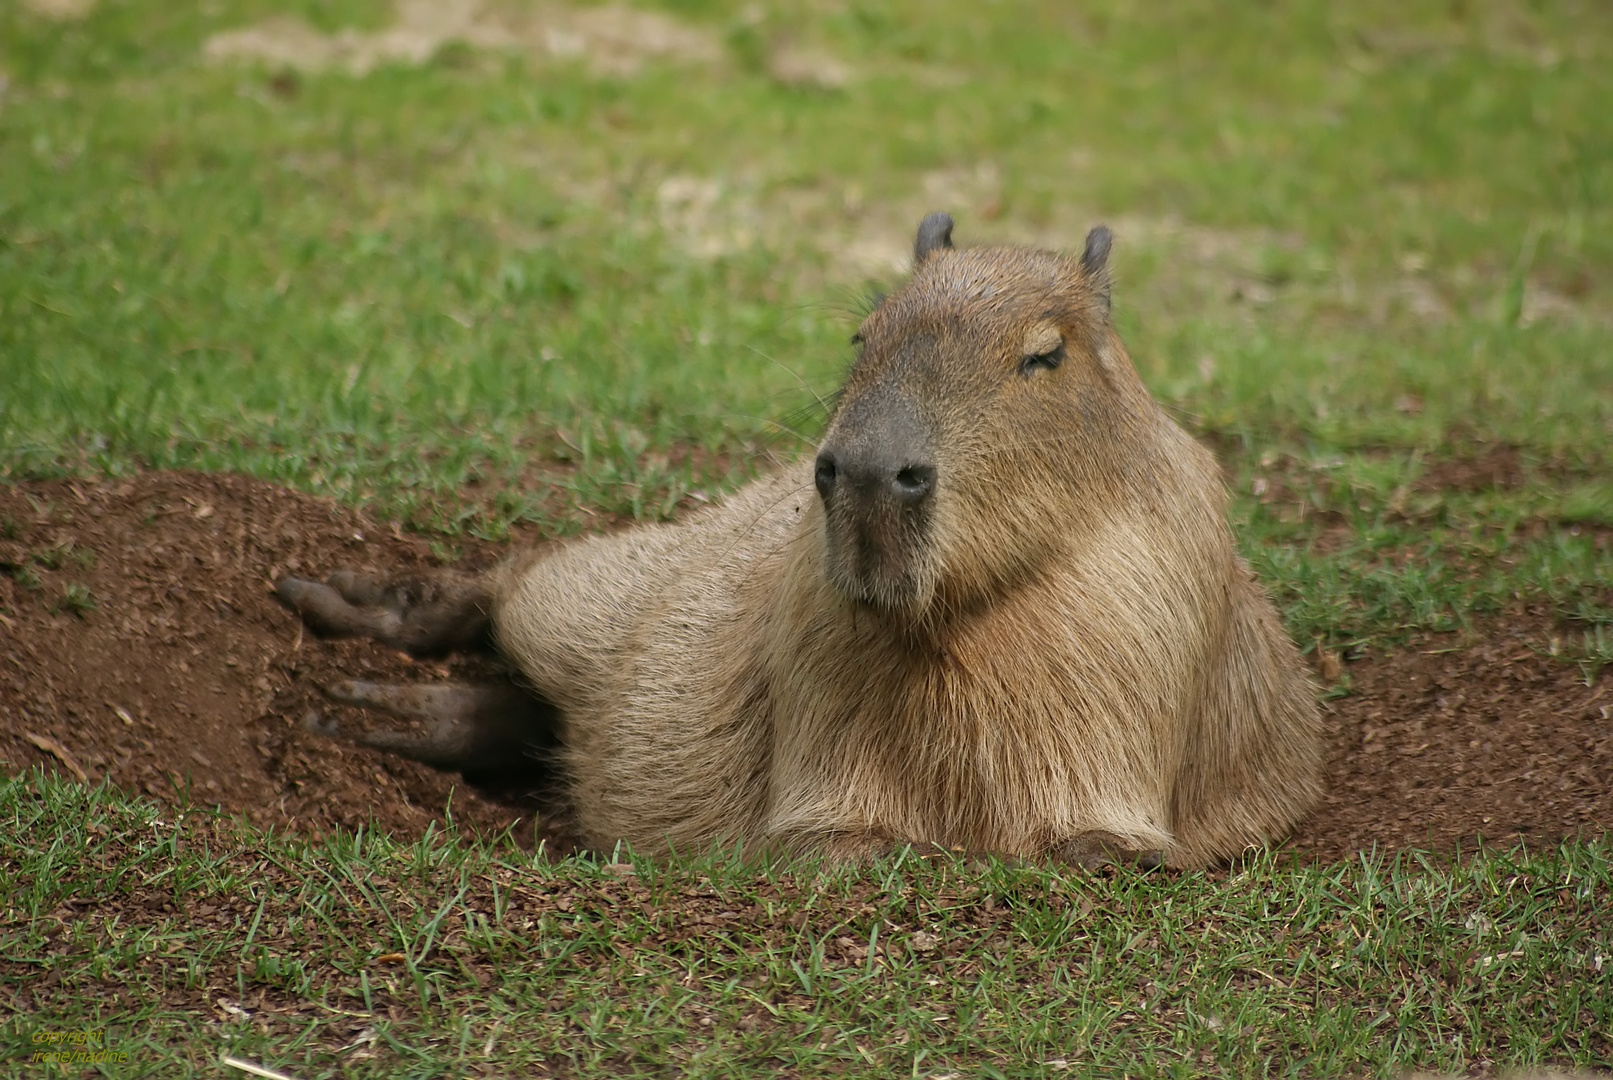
pixel 1095 260
pixel 935 233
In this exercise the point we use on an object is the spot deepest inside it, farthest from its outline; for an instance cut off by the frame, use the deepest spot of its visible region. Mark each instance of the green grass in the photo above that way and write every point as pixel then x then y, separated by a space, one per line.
pixel 181 937
pixel 1359 246
pixel 1381 241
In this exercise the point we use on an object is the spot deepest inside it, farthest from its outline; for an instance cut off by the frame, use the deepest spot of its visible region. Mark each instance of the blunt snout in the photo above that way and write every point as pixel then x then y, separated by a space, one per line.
pixel 907 478
pixel 876 472
pixel 878 453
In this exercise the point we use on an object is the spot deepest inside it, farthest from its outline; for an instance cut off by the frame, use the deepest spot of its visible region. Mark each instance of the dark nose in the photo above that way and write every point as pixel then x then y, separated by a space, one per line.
pixel 826 475
pixel 908 482
pixel 913 483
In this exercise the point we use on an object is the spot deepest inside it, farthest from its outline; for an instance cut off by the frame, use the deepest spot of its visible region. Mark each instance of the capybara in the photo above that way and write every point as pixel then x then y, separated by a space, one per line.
pixel 999 610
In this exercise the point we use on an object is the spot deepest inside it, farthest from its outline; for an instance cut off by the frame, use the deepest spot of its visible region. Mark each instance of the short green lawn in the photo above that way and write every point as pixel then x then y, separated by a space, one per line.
pixel 1358 246
pixel 178 939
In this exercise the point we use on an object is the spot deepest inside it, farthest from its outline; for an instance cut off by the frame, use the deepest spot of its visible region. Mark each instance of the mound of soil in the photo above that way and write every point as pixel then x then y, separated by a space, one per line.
pixel 140 642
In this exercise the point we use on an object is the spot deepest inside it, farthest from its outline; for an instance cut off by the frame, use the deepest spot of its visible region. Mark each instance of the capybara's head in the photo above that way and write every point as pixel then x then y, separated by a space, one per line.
pixel 989 409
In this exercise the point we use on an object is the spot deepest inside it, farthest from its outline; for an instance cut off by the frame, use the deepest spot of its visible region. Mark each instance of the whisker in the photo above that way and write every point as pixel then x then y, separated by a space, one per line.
pixel 761 516
pixel 795 374
pixel 781 425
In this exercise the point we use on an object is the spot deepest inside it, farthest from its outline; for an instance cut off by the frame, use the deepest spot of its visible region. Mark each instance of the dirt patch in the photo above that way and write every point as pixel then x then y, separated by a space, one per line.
pixel 1496 467
pixel 614 40
pixel 1449 740
pixel 139 642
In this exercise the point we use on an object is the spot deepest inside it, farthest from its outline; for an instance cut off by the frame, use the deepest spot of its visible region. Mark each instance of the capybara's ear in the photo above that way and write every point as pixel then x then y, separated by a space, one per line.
pixel 935 233
pixel 1095 259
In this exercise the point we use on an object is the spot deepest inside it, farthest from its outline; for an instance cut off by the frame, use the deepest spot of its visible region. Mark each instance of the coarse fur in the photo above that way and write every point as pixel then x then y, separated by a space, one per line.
pixel 1000 610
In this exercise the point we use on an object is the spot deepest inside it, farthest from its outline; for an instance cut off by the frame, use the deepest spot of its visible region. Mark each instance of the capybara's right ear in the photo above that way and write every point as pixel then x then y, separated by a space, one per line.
pixel 935 233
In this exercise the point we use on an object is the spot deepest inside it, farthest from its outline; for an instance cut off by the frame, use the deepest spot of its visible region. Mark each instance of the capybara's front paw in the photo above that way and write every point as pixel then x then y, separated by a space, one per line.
pixel 1092 850
pixel 424 616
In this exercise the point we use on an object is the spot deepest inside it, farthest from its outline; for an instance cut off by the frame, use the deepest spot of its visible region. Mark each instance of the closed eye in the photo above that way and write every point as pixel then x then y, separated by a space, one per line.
pixel 1046 361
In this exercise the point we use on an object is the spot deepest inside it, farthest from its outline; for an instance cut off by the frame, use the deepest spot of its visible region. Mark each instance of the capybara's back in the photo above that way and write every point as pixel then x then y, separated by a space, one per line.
pixel 1000 610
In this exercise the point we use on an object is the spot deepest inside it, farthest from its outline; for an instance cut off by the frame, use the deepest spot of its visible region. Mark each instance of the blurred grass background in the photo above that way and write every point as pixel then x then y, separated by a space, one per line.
pixel 451 259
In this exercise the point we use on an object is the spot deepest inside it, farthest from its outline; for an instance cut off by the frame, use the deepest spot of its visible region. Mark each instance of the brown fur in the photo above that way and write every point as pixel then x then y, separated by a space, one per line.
pixel 1044 644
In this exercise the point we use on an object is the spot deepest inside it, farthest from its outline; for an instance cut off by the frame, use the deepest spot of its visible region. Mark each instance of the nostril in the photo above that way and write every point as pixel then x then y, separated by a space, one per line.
pixel 824 477
pixel 913 482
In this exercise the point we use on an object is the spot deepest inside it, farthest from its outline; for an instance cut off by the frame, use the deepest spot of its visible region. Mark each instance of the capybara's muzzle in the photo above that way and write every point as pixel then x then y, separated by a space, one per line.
pixel 877 475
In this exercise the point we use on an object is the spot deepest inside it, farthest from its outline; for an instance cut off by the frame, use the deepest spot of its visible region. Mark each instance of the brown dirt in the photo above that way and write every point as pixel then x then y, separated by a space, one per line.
pixel 186 675
pixel 1456 738
pixel 1497 467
